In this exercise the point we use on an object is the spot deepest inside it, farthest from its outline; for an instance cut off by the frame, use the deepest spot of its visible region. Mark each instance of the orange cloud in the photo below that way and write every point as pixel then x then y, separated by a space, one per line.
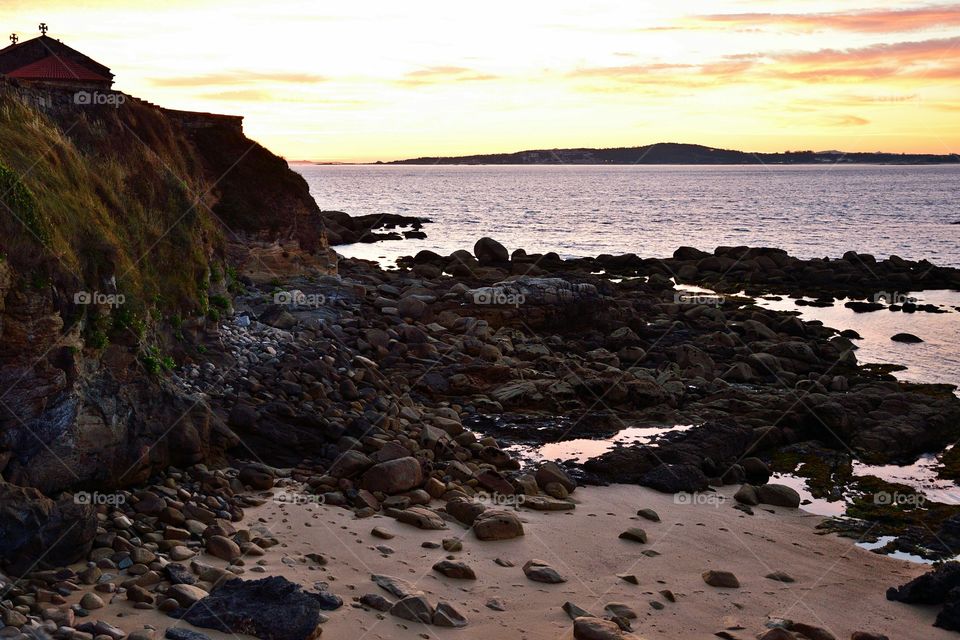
pixel 936 59
pixel 874 21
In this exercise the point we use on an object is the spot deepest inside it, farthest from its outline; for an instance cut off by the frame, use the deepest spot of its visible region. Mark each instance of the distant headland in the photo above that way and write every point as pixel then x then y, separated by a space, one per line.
pixel 675 153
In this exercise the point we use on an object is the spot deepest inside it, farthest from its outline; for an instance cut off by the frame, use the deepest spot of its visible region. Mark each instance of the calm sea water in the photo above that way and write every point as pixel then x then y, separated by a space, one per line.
pixel 811 211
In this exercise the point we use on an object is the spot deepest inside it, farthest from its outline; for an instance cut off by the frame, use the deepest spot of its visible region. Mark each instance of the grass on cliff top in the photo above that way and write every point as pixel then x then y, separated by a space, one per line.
pixel 104 196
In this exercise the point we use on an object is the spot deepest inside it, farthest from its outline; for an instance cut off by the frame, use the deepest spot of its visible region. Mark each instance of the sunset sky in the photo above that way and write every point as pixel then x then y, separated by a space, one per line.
pixel 378 80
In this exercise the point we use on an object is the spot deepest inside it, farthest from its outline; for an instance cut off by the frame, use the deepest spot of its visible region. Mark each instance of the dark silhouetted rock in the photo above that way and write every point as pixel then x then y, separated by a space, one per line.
pixel 271 608
pixel 674 478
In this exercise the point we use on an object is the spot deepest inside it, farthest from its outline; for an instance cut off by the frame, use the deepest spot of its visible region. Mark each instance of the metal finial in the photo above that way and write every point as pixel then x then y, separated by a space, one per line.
pixel 14 39
pixel 43 28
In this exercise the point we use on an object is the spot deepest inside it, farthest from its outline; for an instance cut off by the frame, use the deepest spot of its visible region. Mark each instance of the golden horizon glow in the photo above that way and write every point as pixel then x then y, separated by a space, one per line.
pixel 376 80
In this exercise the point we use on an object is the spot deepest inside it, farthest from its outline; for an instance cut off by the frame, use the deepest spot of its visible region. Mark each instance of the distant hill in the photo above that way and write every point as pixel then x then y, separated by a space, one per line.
pixel 674 153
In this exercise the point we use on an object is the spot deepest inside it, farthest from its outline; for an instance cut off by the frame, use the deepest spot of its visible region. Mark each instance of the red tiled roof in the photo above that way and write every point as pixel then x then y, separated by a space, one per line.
pixel 56 68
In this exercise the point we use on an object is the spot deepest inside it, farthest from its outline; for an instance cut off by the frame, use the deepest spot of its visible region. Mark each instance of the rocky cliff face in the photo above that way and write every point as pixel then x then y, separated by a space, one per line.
pixel 121 229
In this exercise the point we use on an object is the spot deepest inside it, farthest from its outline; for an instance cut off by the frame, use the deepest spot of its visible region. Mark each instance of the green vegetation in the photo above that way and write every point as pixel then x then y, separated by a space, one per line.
pixel 155 362
pixel 118 197
pixel 18 203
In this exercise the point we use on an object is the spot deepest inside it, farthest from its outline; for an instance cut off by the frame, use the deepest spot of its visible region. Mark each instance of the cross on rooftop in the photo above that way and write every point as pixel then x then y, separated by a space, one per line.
pixel 13 38
pixel 43 28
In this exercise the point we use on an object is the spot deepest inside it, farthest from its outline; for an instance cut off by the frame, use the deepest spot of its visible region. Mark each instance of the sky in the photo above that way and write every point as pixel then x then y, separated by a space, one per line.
pixel 370 80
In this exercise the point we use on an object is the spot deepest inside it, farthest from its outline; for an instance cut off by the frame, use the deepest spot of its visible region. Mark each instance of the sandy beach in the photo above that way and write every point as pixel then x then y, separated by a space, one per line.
pixel 582 545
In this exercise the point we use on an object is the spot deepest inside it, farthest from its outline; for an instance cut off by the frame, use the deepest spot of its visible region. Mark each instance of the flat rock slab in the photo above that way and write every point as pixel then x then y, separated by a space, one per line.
pixel 543 503
pixel 271 609
pixel 540 571
pixel 397 587
pixel 419 517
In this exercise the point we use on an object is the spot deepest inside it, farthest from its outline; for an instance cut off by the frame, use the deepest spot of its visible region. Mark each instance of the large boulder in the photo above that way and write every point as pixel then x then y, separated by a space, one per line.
pixel 489 252
pixel 393 476
pixel 778 495
pixel 552 472
pixel 496 524
pixel 271 609
pixel 36 532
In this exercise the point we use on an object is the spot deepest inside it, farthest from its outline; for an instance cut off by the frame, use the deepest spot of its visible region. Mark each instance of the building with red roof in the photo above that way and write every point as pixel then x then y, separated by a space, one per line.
pixel 47 60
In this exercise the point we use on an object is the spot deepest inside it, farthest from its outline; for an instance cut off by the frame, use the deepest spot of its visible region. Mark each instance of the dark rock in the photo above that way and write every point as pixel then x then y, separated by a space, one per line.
pixel 747 494
pixel 495 524
pixel 780 576
pixel 489 252
pixel 906 337
pixel 413 608
pixel 574 611
pixel 540 571
pixel 178 633
pixel 649 514
pixel 394 586
pixel 949 616
pixel 590 628
pixel 179 574
pixel 375 601
pixel 446 615
pixel 634 534
pixel 455 570
pixel 35 531
pixel 930 588
pixel 271 608
pixel 257 476
pixel 674 478
pixel 723 579
pixel 393 476
pixel 465 511
pixel 778 495
pixel 552 472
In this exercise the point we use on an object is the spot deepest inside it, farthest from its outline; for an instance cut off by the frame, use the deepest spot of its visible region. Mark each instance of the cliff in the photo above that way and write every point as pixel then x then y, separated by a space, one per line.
pixel 122 227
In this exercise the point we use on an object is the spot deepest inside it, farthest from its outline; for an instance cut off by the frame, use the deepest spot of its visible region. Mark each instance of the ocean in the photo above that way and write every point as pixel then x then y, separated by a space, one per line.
pixel 586 210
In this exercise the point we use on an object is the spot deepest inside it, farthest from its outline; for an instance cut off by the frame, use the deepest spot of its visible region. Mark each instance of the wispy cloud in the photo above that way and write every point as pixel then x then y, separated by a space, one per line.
pixel 845 121
pixel 872 21
pixel 233 78
pixel 445 74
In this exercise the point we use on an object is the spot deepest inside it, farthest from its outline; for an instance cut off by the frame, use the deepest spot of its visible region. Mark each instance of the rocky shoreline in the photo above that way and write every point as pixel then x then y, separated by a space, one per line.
pixel 393 394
